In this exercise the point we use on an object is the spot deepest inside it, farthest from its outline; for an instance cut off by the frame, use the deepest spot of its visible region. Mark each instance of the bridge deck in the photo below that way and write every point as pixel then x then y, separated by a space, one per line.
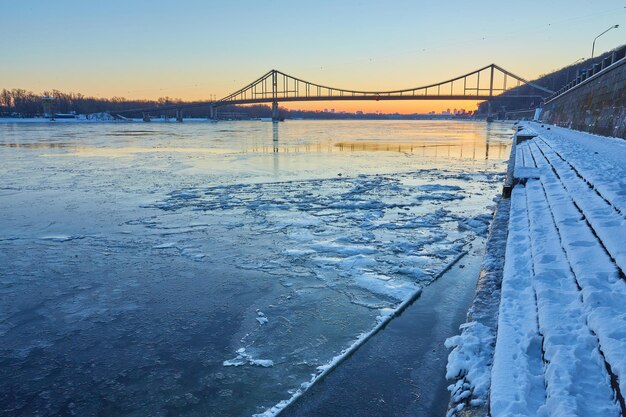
pixel 366 98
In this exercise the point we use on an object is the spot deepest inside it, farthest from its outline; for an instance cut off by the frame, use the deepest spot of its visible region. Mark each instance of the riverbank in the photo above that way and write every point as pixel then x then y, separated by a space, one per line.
pixel 560 340
pixel 84 119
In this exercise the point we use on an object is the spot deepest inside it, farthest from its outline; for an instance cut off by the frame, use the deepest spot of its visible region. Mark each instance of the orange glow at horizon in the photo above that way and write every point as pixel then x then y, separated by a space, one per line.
pixel 402 107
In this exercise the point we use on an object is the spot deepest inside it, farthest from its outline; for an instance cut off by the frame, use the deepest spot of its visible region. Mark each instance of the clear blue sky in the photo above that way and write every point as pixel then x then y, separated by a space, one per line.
pixel 192 49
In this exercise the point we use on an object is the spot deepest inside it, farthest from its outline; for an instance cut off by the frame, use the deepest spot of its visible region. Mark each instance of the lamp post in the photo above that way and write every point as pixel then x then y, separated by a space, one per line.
pixel 593 46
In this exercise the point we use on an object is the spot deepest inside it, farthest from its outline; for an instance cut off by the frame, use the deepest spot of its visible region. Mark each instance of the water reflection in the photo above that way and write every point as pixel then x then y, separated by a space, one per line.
pixel 275 149
pixel 454 140
pixel 471 150
pixel 38 145
pixel 275 136
pixel 487 140
pixel 112 152
pixel 468 144
pixel 127 133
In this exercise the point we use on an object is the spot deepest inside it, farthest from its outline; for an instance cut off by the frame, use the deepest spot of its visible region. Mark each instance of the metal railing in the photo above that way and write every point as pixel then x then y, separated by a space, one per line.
pixel 614 58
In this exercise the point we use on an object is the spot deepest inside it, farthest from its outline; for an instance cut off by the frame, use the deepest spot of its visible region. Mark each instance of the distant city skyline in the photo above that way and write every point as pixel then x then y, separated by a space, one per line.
pixel 195 50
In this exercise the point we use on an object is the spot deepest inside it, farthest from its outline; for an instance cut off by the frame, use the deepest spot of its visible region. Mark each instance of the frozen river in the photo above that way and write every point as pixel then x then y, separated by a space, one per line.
pixel 213 269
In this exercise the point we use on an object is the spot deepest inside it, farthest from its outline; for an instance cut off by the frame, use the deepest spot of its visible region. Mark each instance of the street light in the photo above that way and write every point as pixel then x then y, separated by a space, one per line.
pixel 594 40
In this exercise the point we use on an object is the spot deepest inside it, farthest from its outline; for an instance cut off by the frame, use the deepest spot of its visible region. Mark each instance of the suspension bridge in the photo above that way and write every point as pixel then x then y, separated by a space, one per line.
pixel 276 86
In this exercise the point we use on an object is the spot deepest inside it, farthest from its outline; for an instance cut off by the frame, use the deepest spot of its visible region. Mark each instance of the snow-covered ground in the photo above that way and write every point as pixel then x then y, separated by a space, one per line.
pixel 561 334
pixel 219 269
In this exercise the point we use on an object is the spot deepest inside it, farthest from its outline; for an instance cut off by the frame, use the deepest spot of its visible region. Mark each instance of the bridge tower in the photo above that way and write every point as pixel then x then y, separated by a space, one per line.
pixel 275 117
pixel 179 115
pixel 274 96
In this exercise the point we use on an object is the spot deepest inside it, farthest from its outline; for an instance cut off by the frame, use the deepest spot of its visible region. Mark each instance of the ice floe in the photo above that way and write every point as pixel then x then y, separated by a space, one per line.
pixel 245 358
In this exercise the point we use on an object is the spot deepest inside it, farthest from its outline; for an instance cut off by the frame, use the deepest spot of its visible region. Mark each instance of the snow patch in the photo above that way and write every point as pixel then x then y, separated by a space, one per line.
pixel 60 238
pixel 244 358
pixel 261 318
pixel 470 361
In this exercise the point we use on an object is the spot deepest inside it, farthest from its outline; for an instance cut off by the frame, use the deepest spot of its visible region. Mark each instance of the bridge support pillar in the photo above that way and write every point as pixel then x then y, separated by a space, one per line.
pixel 275 111
pixel 179 116
pixel 146 117
pixel 489 113
pixel 213 112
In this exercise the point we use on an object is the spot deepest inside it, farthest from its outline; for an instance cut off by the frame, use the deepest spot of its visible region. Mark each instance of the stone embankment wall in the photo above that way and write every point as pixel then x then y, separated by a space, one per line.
pixel 597 105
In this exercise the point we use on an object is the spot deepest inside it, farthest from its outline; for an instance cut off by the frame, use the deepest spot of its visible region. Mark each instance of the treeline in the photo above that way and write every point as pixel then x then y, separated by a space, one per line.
pixel 22 103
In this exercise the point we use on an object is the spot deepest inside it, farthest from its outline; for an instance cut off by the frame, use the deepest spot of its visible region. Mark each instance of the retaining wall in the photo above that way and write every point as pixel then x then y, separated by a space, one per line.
pixel 597 105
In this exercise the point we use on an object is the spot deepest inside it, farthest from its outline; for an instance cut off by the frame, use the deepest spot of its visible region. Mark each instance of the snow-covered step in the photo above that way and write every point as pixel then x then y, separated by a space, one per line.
pixel 612 193
pixel 519 160
pixel 577 382
pixel 603 291
pixel 529 162
pixel 517 386
pixel 524 164
pixel 600 160
pixel 606 222
pixel 526 132
pixel 519 155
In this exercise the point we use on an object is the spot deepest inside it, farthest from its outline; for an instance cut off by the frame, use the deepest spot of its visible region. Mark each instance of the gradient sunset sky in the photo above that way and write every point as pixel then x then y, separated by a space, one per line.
pixel 199 49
